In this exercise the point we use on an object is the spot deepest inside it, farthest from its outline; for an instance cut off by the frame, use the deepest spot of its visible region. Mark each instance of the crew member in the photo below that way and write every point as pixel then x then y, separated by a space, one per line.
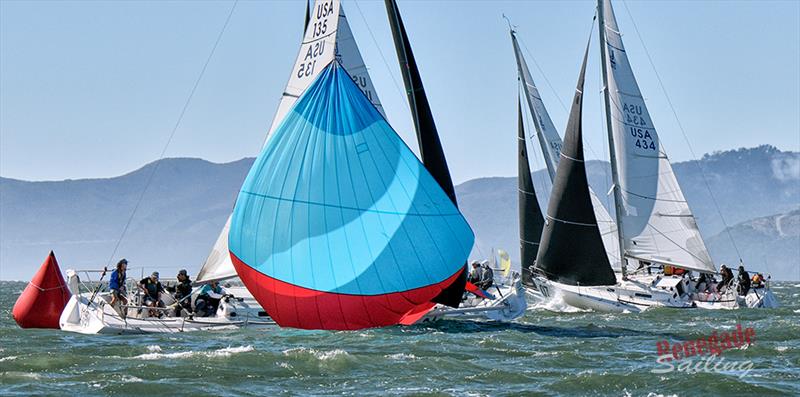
pixel 119 293
pixel 152 289
pixel 183 293
pixel 743 278
pixel 208 300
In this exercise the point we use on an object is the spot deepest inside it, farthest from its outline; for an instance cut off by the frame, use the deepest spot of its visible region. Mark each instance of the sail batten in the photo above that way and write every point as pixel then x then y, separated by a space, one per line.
pixel 655 221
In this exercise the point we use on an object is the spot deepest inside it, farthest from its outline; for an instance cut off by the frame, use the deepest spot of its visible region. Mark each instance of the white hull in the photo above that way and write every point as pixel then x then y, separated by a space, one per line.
pixel 508 305
pixel 626 296
pixel 761 298
pixel 100 318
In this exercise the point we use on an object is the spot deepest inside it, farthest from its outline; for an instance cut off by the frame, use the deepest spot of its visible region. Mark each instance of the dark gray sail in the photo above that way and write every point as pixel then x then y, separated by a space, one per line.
pixel 308 15
pixel 571 250
pixel 531 220
pixel 430 147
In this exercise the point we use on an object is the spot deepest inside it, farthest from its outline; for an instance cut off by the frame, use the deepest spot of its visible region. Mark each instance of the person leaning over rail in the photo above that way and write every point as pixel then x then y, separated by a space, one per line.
pixel 119 293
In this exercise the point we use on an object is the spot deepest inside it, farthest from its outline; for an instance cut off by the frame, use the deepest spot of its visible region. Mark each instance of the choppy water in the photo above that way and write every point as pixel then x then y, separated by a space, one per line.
pixel 546 353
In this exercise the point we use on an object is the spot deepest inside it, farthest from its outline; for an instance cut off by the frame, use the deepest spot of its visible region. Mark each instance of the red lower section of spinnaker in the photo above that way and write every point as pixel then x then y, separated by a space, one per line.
pixel 298 307
pixel 43 300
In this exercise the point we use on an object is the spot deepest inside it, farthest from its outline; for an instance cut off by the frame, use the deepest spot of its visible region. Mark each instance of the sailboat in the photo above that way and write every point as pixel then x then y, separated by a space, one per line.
pixel 654 224
pixel 338 225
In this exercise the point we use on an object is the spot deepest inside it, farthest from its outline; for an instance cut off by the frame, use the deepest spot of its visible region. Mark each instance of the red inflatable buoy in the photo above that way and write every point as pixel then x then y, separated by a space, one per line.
pixel 43 300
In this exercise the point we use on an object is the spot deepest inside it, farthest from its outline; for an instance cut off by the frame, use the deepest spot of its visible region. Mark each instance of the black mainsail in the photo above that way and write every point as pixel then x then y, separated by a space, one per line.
pixel 430 147
pixel 571 250
pixel 531 220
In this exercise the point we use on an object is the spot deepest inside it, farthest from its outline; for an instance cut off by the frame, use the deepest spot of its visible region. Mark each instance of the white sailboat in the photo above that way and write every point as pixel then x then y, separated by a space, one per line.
pixel 655 226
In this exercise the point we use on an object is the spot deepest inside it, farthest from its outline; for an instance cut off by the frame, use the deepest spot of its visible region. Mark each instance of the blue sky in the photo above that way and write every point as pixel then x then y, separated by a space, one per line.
pixel 93 88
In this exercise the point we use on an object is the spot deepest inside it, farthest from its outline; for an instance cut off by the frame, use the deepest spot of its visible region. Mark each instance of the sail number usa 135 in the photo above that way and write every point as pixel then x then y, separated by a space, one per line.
pixel 316 48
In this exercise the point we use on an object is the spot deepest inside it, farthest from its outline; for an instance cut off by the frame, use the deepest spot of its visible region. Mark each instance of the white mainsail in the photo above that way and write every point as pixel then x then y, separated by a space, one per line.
pixel 550 142
pixel 655 220
pixel 326 37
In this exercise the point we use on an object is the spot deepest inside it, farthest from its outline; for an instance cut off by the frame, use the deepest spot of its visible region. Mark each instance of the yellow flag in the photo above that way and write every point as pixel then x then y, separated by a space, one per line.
pixel 505 262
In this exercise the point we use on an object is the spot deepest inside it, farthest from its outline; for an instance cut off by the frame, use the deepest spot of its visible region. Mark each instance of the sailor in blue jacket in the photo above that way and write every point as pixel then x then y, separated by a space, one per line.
pixel 116 284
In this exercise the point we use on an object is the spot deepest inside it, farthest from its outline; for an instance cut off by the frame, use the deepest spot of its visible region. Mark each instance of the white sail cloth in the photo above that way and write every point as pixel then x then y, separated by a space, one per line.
pixel 656 223
pixel 550 142
pixel 326 37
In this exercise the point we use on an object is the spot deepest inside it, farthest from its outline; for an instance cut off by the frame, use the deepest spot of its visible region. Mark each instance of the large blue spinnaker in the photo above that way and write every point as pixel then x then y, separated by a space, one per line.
pixel 338 225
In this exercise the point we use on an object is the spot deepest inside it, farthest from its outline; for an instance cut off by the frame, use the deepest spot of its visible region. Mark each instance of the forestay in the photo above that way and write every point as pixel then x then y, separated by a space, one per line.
pixel 656 222
pixel 325 38
pixel 338 225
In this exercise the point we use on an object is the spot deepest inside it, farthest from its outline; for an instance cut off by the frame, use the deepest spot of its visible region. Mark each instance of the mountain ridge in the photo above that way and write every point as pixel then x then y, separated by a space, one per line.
pixel 188 200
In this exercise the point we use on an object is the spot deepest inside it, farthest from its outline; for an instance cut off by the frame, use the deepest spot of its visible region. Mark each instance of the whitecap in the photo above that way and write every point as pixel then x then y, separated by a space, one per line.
pixel 130 379
pixel 9 358
pixel 154 348
pixel 557 304
pixel 224 352
pixel 782 348
pixel 28 375
pixel 401 357
pixel 320 355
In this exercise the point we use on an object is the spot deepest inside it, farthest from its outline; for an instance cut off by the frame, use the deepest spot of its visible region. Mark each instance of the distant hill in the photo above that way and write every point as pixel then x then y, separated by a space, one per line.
pixel 771 243
pixel 189 199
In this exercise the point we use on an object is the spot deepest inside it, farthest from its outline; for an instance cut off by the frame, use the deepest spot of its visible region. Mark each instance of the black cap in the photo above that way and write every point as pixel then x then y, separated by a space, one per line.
pixel 123 260
pixel 182 272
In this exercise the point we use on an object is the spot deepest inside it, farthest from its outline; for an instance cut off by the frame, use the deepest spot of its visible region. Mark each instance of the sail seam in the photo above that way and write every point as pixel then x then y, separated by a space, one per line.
pixel 350 208
pixel 570 222
pixel 571 158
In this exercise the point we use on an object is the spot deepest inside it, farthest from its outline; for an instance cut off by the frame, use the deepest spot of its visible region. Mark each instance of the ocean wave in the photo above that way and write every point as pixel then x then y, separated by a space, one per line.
pixel 224 352
pixel 9 358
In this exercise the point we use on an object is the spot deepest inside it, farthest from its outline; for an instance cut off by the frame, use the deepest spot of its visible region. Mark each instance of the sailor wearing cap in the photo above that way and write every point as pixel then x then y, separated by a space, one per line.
pixel 183 293
pixel 152 290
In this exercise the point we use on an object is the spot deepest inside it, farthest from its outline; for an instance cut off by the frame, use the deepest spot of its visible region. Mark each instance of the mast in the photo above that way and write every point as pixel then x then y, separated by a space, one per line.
pixel 612 154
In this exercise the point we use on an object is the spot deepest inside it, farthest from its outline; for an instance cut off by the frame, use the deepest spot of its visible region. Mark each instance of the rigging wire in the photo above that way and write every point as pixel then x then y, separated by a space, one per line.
pixel 383 58
pixel 157 163
pixel 683 132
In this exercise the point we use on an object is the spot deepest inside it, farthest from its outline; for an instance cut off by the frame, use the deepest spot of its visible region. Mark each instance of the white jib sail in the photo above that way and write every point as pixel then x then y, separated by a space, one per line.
pixel 657 224
pixel 326 37
pixel 550 142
